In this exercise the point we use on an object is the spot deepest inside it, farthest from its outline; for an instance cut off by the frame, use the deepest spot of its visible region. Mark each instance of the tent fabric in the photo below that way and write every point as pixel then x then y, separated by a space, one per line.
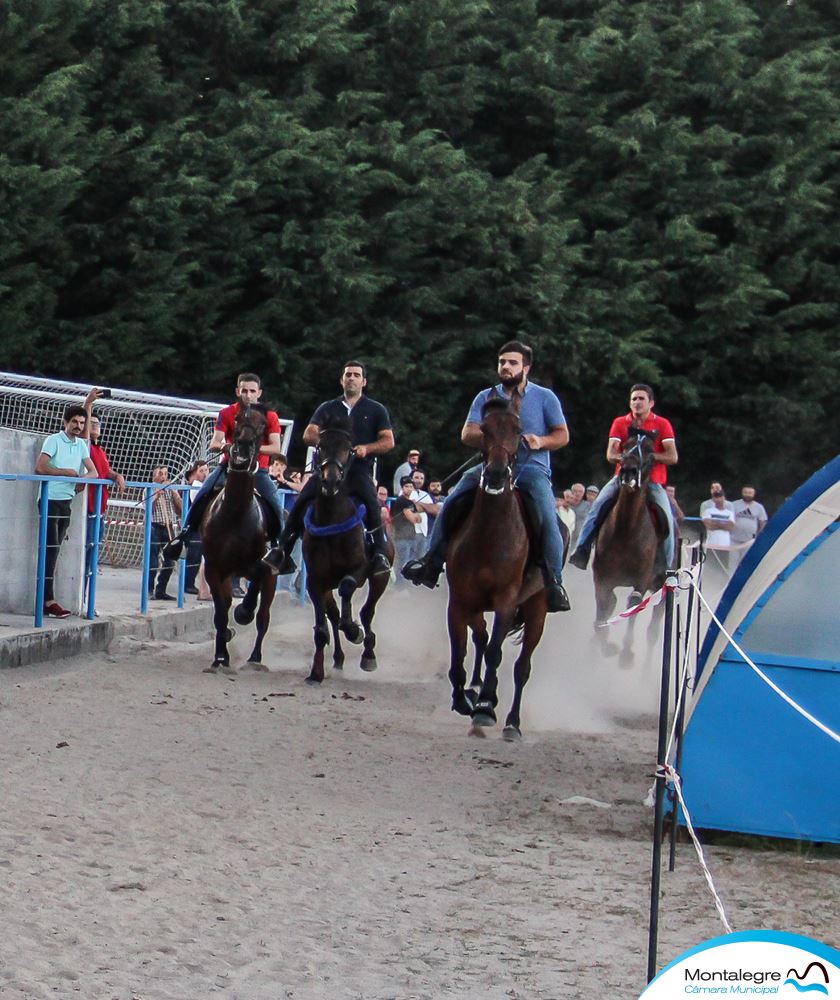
pixel 749 761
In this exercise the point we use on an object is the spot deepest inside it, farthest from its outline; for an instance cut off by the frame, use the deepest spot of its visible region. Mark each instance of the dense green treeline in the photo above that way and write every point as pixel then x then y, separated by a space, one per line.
pixel 642 190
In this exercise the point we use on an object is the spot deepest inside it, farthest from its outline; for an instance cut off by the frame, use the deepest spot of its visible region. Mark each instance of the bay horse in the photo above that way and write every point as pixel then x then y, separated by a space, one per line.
pixel 488 568
pixel 234 533
pixel 627 542
pixel 335 553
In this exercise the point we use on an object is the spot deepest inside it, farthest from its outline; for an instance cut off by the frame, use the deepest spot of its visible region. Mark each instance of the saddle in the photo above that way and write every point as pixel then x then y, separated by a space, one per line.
pixel 456 511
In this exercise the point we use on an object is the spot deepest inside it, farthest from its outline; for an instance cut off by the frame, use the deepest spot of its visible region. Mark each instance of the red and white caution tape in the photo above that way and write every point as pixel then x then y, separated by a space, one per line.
pixel 650 601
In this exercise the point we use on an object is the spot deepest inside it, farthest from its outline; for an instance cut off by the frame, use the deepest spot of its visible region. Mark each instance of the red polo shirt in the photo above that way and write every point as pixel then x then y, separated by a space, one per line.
pixel 619 431
pixel 226 421
pixel 103 471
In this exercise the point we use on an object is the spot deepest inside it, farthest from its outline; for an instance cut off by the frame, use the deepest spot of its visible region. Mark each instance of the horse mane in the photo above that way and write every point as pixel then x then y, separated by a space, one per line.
pixel 495 403
pixel 336 422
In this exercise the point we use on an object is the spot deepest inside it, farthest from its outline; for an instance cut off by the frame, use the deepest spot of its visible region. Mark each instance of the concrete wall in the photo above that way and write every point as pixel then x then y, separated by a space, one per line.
pixel 19 451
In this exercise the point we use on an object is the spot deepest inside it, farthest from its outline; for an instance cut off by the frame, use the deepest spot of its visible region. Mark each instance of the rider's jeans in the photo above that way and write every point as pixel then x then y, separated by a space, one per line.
pixel 656 492
pixel 533 482
pixel 263 484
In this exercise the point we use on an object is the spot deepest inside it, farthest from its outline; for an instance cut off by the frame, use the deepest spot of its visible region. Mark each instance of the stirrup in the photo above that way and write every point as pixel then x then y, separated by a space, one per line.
pixel 422 571
pixel 279 562
pixel 173 549
pixel 379 564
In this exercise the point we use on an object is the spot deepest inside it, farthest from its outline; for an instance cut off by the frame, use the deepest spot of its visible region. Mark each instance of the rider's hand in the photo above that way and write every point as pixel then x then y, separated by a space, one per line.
pixel 360 450
pixel 534 441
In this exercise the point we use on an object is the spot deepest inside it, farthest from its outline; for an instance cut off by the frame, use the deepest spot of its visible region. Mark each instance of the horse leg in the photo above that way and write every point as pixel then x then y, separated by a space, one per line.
pixel 534 611
pixel 222 594
pixel 605 602
pixel 350 628
pixel 462 701
pixel 321 634
pixel 267 589
pixel 480 638
pixel 243 614
pixel 376 588
pixel 484 713
pixel 332 613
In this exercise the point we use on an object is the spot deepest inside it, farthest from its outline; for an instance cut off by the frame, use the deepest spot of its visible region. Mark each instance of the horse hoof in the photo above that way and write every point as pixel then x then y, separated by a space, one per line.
pixel 212 669
pixel 229 634
pixel 338 664
pixel 354 633
pixel 483 714
pixel 513 734
pixel 463 704
pixel 256 665
pixel 314 680
pixel 226 668
pixel 634 599
pixel 242 615
pixel 368 663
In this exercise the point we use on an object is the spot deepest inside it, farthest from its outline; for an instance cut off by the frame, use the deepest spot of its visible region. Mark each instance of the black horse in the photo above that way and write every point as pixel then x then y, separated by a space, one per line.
pixel 335 552
pixel 234 533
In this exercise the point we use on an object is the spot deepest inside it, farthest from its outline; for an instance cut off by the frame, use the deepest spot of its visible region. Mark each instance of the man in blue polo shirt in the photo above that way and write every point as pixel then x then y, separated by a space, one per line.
pixel 544 430
pixel 64 454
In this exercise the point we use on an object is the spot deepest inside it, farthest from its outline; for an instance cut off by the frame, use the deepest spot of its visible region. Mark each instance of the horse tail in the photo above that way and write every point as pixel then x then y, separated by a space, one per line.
pixel 517 626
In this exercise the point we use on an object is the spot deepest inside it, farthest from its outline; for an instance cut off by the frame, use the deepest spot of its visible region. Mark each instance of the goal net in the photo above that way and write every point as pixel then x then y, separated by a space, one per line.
pixel 140 432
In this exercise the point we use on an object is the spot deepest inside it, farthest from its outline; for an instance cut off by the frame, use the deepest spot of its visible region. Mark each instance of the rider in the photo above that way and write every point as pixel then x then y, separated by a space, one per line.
pixel 641 415
pixel 248 392
pixel 371 436
pixel 544 430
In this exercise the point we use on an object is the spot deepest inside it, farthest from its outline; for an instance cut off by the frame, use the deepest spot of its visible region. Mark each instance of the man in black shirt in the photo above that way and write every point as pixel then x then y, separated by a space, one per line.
pixel 372 436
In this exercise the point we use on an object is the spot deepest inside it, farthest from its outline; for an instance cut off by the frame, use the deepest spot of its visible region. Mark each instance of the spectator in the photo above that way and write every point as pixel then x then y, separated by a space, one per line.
pixel 750 516
pixel 405 519
pixel 421 500
pixel 92 434
pixel 411 462
pixel 565 510
pixel 166 511
pixel 714 487
pixel 581 506
pixel 431 510
pixel 719 521
pixel 196 477
pixel 382 498
pixel 591 494
pixel 63 454
pixel 284 477
pixel 676 510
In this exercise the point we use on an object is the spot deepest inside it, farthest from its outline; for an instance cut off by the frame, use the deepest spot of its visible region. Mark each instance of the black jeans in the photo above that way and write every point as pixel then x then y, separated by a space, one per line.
pixel 58 520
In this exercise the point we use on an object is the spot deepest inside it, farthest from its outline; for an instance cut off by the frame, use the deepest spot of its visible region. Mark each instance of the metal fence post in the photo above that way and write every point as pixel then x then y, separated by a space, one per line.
pixel 42 556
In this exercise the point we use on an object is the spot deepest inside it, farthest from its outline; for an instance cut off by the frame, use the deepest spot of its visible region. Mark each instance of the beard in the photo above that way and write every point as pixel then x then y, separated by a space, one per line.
pixel 512 381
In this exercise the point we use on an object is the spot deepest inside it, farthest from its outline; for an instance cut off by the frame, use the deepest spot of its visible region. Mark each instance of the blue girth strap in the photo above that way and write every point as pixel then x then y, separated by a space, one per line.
pixel 320 530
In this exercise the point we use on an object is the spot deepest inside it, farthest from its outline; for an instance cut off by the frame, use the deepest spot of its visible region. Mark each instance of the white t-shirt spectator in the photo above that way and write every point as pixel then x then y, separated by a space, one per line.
pixel 422 526
pixel 720 536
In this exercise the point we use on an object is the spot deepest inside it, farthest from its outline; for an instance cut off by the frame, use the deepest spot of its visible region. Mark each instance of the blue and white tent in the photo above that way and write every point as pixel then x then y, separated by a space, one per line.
pixel 751 762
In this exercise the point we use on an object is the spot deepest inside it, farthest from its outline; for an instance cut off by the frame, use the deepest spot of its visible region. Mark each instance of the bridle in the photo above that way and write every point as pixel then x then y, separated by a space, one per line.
pixel 634 481
pixel 332 461
pixel 495 457
pixel 244 449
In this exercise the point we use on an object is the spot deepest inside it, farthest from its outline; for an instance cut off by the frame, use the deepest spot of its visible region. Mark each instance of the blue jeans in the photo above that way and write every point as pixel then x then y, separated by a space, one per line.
pixel 263 484
pixel 534 484
pixel 609 494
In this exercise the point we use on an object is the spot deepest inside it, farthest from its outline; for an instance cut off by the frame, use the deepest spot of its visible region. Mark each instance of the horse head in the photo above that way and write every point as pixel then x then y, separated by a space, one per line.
pixel 248 434
pixel 636 459
pixel 502 433
pixel 335 451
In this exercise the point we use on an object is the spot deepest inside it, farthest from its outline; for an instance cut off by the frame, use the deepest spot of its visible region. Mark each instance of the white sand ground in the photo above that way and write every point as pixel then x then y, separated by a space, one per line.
pixel 169 834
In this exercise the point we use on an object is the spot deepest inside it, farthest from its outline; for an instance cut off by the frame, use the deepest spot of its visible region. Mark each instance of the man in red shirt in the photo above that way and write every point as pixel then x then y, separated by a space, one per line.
pixel 248 392
pixel 641 415
pixel 92 433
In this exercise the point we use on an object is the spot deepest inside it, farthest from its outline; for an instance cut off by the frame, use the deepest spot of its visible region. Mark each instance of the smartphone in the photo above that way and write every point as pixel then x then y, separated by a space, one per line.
pixel 106 394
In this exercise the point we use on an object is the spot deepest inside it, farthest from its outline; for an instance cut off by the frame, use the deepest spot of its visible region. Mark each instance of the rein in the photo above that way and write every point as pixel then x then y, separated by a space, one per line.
pixel 322 530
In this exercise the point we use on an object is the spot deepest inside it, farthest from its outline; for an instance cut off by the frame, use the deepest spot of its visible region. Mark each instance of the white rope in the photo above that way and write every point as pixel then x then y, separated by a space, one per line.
pixel 667 772
pixel 774 687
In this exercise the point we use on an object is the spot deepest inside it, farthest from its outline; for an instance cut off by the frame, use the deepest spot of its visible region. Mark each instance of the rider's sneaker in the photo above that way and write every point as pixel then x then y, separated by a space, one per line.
pixel 579 558
pixel 556 597
pixel 422 571
pixel 379 565
pixel 173 549
pixel 279 561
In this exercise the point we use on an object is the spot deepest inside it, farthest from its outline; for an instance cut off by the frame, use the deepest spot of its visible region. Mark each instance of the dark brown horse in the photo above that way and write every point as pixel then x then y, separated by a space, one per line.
pixel 488 567
pixel 625 550
pixel 336 556
pixel 234 533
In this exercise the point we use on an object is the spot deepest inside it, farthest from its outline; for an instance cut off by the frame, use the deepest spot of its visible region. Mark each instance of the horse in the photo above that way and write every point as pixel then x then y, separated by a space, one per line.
pixel 489 568
pixel 234 533
pixel 627 543
pixel 335 554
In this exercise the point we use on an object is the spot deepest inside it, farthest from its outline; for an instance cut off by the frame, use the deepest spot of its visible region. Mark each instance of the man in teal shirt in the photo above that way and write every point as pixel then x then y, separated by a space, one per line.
pixel 64 454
